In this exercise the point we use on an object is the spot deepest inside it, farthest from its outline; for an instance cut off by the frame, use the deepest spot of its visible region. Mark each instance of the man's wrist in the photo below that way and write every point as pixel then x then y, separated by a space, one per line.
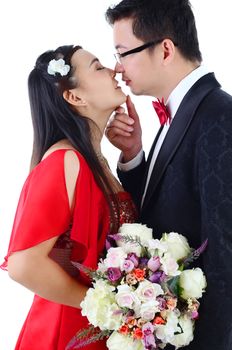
pixel 133 163
pixel 129 155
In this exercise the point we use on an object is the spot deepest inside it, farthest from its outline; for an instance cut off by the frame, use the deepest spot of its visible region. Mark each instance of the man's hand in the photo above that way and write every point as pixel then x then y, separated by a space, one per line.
pixel 124 131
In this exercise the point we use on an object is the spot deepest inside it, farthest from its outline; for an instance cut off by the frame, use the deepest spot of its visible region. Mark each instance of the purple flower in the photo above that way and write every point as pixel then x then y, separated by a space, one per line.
pixel 194 315
pixel 143 262
pixel 154 263
pixel 149 342
pixel 133 257
pixel 114 274
pixel 156 277
pixel 148 336
pixel 116 237
pixel 108 244
pixel 148 328
pixel 128 265
pixel 162 303
pixel 129 314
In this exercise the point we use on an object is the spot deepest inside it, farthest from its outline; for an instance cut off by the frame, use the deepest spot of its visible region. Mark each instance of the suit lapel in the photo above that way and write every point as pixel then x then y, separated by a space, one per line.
pixel 178 129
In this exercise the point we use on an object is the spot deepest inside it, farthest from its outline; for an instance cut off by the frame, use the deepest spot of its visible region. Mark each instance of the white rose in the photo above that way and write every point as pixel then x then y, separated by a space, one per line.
pixel 115 257
pixel 101 266
pixel 147 291
pixel 178 245
pixel 148 310
pixel 134 230
pixel 99 306
pixel 126 297
pixel 169 265
pixel 130 248
pixel 193 283
pixel 166 332
pixel 118 341
pixel 186 337
pixel 111 318
pixel 156 247
pixel 139 230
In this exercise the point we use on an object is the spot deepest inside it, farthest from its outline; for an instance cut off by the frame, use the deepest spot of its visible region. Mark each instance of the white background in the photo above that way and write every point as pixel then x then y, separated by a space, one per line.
pixel 29 28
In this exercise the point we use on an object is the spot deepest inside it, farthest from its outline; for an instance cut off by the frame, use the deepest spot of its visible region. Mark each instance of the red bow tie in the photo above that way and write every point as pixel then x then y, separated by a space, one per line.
pixel 162 111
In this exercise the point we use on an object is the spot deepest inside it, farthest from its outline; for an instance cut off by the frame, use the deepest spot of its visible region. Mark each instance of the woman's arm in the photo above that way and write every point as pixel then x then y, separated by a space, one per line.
pixel 36 271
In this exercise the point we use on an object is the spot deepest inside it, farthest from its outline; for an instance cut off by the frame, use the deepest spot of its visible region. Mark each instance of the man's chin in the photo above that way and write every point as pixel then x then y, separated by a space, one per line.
pixel 140 92
pixel 136 92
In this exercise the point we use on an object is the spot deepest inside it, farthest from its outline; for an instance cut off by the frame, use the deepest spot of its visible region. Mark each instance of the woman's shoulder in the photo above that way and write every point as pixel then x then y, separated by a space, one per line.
pixel 61 148
pixel 57 168
pixel 54 178
pixel 58 153
pixel 57 159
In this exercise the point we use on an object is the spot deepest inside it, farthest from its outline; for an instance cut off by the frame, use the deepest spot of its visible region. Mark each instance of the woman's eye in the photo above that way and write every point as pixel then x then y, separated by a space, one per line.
pixel 100 68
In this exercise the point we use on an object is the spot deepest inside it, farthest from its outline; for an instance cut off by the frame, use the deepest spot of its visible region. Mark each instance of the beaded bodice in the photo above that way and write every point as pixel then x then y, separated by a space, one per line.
pixel 125 212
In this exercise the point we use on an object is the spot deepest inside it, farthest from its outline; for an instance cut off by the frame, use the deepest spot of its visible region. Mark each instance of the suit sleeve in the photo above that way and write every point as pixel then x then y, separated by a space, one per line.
pixel 214 328
pixel 133 180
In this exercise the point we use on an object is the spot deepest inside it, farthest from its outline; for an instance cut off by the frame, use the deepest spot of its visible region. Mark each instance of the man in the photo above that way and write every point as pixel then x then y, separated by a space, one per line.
pixel 186 183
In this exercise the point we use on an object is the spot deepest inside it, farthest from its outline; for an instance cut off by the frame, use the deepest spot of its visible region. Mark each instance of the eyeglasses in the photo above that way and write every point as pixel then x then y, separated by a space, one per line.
pixel 119 56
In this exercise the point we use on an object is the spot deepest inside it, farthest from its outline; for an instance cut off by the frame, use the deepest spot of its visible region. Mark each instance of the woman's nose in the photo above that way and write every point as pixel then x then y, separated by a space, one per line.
pixel 112 72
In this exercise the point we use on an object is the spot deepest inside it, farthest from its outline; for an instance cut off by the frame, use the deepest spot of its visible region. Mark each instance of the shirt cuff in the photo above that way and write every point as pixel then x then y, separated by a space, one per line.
pixel 133 163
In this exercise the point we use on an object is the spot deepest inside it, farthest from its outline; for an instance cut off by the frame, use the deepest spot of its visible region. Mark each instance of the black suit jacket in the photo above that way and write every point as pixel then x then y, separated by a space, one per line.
pixel 190 192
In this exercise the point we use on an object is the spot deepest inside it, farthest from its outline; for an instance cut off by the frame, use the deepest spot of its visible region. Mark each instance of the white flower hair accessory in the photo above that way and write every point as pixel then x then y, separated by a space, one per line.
pixel 58 66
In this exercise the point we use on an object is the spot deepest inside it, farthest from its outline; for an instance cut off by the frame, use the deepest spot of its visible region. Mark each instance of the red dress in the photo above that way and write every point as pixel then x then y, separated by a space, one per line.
pixel 43 212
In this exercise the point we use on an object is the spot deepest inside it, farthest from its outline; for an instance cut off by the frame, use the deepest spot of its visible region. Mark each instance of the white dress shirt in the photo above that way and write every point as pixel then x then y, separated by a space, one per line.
pixel 173 104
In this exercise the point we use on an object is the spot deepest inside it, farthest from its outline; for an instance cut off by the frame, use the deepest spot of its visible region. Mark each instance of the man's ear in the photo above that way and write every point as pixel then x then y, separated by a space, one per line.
pixel 71 97
pixel 168 49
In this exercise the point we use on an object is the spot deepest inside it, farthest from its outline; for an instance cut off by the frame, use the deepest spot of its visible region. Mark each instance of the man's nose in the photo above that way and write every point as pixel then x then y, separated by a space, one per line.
pixel 119 68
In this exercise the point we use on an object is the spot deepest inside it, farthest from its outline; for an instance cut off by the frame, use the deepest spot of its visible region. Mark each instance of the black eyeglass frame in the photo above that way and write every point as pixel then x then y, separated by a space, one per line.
pixel 118 55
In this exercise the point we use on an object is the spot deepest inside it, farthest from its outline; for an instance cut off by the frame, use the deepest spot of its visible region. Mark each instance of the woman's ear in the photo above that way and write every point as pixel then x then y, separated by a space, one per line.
pixel 71 97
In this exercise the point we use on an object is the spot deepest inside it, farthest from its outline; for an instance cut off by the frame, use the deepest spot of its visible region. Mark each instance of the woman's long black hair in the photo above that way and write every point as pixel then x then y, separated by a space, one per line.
pixel 53 118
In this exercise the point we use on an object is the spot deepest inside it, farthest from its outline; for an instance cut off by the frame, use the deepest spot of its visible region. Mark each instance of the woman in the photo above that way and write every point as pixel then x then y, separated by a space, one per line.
pixel 70 200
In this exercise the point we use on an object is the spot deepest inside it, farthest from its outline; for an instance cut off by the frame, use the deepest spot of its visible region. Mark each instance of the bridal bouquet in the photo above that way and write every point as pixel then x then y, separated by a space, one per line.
pixel 144 296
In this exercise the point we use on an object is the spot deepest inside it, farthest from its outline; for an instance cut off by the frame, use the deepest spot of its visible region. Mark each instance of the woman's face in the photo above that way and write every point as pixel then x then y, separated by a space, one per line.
pixel 96 84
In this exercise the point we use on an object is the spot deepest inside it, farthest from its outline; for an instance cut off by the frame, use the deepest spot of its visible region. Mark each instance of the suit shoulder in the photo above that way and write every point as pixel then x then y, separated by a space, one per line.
pixel 219 99
pixel 216 108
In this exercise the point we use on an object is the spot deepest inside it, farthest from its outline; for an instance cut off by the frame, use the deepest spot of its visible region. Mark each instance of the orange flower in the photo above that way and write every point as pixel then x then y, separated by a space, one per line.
pixel 158 320
pixel 139 274
pixel 131 321
pixel 171 303
pixel 137 333
pixel 141 322
pixel 124 329
pixel 130 279
pixel 164 314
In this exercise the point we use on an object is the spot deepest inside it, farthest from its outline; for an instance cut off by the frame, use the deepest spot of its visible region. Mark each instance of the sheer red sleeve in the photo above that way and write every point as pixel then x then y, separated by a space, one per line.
pixel 43 211
pixel 43 208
